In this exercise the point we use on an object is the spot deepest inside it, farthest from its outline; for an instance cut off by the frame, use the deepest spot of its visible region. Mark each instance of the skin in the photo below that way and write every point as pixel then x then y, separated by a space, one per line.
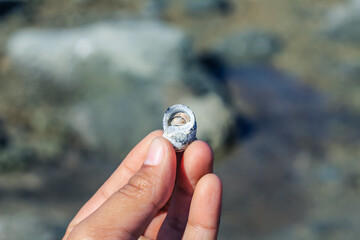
pixel 179 198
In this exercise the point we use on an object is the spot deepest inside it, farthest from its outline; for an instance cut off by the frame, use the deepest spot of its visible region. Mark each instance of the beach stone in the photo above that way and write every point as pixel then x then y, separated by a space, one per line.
pixel 343 22
pixel 118 78
pixel 194 7
pixel 148 50
pixel 31 227
pixel 214 118
pixel 247 46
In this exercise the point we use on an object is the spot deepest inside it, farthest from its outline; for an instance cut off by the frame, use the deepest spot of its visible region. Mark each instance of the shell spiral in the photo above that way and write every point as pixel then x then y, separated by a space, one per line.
pixel 179 125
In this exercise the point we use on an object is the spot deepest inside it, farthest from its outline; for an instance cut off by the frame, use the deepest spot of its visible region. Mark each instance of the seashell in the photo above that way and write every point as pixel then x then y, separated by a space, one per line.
pixel 179 125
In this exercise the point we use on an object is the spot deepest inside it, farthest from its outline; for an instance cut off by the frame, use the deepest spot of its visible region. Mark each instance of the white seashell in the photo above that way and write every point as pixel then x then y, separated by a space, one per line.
pixel 179 125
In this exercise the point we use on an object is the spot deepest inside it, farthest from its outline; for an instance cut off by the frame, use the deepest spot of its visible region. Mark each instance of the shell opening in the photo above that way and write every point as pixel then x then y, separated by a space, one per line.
pixel 179 119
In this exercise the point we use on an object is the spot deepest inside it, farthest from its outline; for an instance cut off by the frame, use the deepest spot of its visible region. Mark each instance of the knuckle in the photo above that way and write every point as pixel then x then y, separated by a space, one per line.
pixel 201 226
pixel 104 193
pixel 156 133
pixel 140 186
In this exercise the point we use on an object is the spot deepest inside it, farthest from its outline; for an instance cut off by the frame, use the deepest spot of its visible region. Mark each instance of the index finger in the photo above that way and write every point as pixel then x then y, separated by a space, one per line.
pixel 129 166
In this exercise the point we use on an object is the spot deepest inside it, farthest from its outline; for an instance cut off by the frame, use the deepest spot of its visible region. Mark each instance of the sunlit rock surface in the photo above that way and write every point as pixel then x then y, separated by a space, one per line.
pixel 146 50
pixel 122 74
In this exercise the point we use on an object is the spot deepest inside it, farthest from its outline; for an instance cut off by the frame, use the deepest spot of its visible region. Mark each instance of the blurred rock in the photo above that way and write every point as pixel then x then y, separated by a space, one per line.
pixel 348 70
pixel 32 227
pixel 248 46
pixel 215 119
pixel 343 21
pixel 123 74
pixel 289 179
pixel 145 50
pixel 4 139
pixel 104 121
pixel 154 8
pixel 8 6
pixel 195 7
pixel 118 116
pixel 283 99
pixel 274 165
pixel 202 80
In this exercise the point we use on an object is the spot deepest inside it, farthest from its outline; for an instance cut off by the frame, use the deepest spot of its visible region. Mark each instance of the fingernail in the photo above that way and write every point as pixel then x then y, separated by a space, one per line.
pixel 155 154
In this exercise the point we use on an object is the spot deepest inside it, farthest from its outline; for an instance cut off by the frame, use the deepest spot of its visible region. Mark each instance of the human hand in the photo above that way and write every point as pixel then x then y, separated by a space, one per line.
pixel 152 195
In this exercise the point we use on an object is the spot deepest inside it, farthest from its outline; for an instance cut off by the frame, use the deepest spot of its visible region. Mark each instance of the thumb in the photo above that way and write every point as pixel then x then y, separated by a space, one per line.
pixel 128 212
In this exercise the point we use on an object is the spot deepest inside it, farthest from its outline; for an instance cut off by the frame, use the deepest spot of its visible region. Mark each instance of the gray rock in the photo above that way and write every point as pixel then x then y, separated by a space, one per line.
pixel 24 226
pixel 118 116
pixel 279 164
pixel 154 8
pixel 143 49
pixel 248 46
pixel 115 68
pixel 206 6
pixel 123 74
pixel 117 122
pixel 4 139
pixel 343 22
pixel 215 120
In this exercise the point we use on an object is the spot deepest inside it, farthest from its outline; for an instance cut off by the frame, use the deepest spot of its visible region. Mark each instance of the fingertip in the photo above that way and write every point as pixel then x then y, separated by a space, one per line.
pixel 149 138
pixel 166 142
pixel 210 183
pixel 200 143
pixel 168 147
pixel 200 149
pixel 142 147
pixel 198 161
pixel 155 133
pixel 169 160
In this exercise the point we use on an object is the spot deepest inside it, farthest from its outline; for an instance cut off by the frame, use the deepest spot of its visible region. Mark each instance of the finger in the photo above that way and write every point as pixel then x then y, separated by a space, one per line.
pixel 129 166
pixel 205 210
pixel 127 213
pixel 197 161
pixel 152 230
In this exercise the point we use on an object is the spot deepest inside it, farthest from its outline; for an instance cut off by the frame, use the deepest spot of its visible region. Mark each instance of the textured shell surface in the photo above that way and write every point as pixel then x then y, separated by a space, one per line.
pixel 179 125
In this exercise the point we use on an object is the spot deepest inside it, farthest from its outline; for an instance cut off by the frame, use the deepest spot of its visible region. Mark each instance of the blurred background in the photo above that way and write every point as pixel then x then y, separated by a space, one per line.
pixel 274 85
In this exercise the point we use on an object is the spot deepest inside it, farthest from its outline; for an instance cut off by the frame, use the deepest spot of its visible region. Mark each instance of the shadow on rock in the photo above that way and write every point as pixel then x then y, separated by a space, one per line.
pixel 262 191
pixel 9 6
